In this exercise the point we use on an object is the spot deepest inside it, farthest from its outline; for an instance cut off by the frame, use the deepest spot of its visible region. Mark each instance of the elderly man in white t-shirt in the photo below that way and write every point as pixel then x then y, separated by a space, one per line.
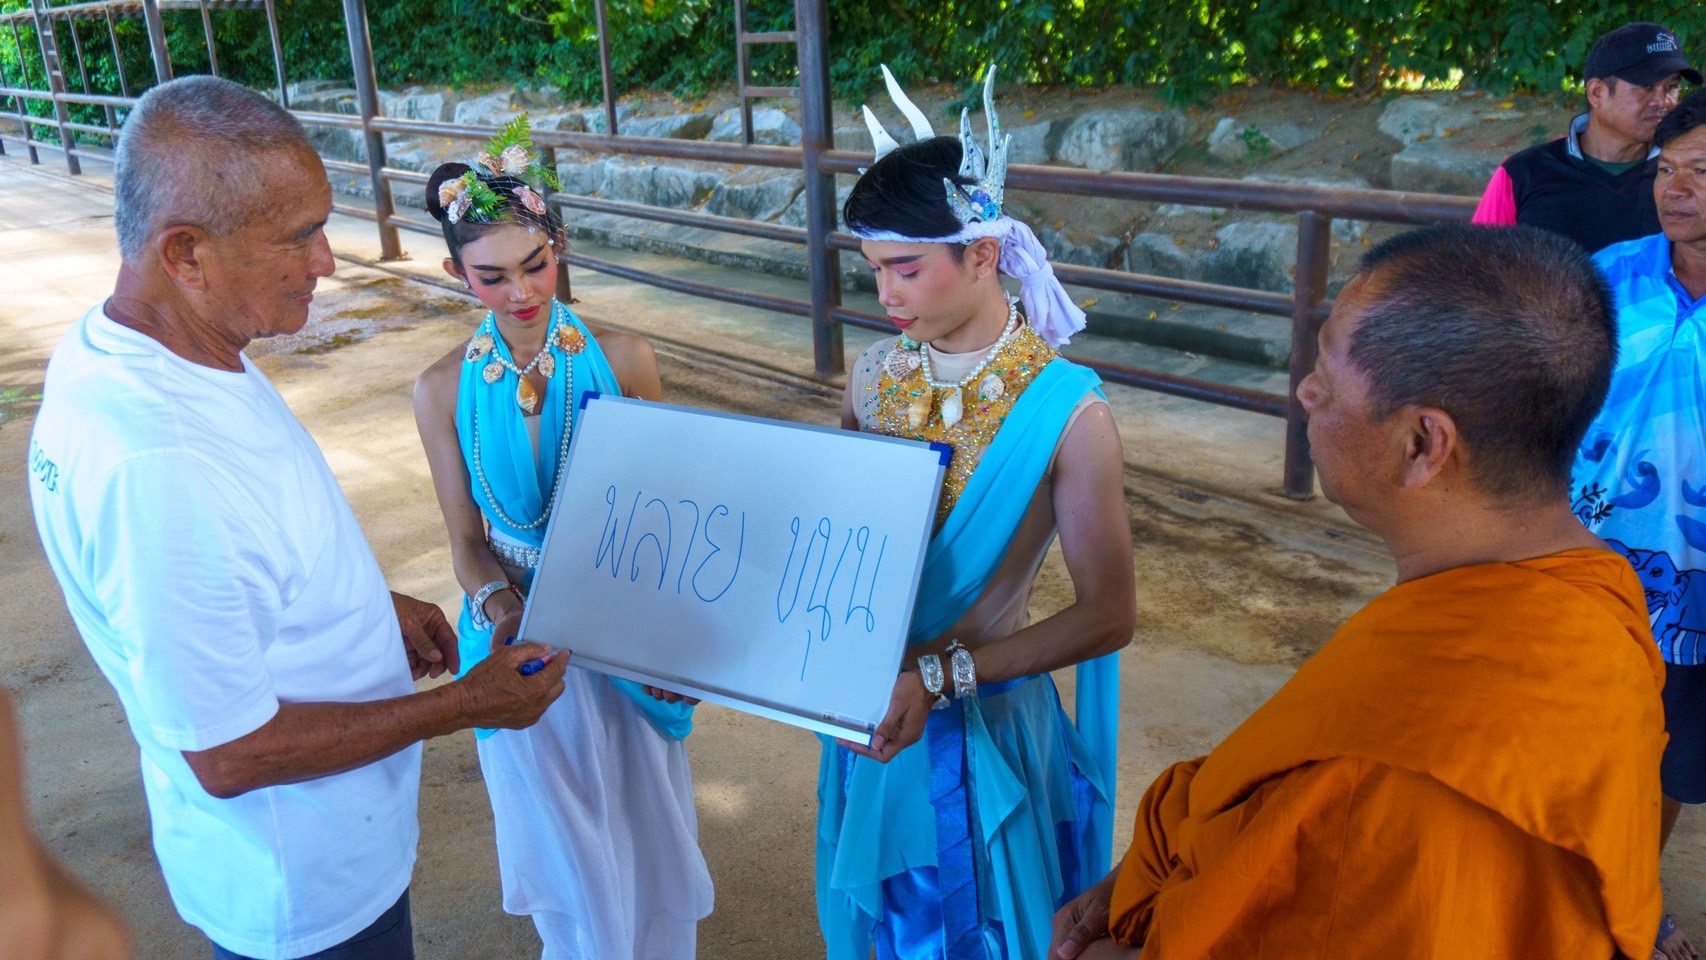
pixel 214 568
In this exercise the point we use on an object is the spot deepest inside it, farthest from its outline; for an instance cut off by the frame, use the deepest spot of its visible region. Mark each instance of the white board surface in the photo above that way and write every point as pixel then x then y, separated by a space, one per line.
pixel 768 566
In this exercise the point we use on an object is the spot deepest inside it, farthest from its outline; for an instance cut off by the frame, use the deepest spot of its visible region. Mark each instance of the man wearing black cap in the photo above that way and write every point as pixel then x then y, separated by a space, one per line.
pixel 1595 184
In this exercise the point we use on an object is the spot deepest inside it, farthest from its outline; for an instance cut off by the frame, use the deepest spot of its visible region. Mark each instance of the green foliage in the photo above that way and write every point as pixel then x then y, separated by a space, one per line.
pixel 17 402
pixel 485 203
pixel 515 133
pixel 1187 49
pixel 1256 142
pixel 1191 49
pixel 518 132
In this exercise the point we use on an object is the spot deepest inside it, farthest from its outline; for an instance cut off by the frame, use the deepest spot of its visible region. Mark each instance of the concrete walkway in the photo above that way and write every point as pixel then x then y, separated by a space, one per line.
pixel 1236 586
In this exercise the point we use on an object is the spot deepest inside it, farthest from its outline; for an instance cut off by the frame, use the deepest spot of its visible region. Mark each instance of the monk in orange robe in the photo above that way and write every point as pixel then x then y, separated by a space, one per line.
pixel 1469 768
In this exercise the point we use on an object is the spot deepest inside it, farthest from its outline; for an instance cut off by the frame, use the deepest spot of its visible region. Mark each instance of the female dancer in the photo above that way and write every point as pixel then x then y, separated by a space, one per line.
pixel 597 836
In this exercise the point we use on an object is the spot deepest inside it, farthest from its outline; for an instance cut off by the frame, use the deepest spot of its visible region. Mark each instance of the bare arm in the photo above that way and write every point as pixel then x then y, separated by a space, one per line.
pixel 470 558
pixel 304 741
pixel 635 362
pixel 44 913
pixel 1095 539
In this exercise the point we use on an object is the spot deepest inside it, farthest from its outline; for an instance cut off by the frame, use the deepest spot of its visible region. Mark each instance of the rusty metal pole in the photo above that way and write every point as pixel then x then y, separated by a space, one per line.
pixel 367 100
pixel 83 71
pixel 564 295
pixel 23 105
pixel 743 70
pixel 118 58
pixel 157 40
pixel 604 68
pixel 1314 242
pixel 277 53
pixel 207 31
pixel 817 136
pixel 15 101
pixel 49 43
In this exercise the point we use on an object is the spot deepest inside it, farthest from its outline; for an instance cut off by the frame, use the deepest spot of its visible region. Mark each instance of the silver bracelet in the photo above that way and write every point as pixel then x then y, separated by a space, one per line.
pixel 478 613
pixel 930 671
pixel 965 671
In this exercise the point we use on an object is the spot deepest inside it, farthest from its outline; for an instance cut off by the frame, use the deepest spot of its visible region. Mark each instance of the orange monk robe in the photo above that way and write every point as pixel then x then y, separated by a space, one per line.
pixel 1469 768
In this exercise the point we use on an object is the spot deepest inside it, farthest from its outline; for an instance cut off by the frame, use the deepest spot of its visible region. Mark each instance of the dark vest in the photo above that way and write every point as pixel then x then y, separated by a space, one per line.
pixel 1574 197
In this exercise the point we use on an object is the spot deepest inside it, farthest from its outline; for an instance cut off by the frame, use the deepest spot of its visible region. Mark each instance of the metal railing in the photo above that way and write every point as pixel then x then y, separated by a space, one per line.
pixel 1314 207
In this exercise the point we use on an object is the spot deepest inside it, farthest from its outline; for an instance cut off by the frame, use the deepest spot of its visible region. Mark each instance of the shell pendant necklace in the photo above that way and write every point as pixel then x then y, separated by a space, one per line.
pixel 545 361
pixel 566 337
pixel 949 396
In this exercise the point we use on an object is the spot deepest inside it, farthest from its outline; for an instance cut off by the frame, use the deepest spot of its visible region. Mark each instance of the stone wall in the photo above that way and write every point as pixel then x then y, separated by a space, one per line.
pixel 1447 143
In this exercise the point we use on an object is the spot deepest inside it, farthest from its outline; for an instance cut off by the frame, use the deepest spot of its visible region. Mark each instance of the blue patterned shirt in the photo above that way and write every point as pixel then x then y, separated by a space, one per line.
pixel 1640 477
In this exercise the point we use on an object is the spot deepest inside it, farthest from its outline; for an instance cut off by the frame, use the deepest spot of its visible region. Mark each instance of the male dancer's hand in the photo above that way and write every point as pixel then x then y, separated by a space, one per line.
pixel 903 725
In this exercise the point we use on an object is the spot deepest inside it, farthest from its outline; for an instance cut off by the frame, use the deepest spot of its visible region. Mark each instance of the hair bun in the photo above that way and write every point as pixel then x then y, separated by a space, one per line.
pixel 446 171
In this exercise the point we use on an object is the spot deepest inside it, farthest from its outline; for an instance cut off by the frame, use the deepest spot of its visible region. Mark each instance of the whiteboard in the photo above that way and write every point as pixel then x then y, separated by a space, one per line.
pixel 767 566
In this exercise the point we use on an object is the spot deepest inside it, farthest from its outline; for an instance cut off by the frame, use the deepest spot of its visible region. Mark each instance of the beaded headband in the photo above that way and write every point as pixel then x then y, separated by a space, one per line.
pixel 509 155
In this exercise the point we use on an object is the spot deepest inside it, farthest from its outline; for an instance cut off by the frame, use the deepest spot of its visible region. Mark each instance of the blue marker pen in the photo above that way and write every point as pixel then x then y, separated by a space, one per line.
pixel 529 668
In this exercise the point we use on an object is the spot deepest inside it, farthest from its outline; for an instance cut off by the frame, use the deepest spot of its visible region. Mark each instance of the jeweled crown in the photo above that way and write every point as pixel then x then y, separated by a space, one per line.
pixel 981 200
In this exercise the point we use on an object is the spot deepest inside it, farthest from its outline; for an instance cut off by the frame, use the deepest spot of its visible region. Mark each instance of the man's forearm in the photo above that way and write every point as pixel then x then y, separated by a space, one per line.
pixel 304 741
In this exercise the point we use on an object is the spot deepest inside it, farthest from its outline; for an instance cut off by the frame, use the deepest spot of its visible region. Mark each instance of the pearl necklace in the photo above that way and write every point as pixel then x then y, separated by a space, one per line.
pixel 994 348
pixel 562 446
pixel 538 358
pixel 989 388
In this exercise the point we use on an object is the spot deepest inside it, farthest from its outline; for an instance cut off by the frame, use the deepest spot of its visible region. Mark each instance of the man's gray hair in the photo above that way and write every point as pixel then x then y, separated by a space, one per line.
pixel 189 153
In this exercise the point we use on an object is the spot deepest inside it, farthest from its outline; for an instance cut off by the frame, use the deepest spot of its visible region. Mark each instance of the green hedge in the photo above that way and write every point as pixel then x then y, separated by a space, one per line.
pixel 1187 50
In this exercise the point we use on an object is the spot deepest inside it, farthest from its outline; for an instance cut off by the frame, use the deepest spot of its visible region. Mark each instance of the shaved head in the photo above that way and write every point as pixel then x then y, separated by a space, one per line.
pixel 1510 330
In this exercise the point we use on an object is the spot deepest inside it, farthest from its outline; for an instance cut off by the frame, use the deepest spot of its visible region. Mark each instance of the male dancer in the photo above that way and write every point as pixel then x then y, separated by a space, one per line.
pixel 979 807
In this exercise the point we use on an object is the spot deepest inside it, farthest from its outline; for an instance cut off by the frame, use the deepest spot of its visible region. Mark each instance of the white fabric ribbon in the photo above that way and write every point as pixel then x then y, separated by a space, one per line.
pixel 1049 309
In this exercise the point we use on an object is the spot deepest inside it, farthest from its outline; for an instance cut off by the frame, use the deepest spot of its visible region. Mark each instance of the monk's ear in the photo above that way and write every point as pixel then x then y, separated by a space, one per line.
pixel 1430 446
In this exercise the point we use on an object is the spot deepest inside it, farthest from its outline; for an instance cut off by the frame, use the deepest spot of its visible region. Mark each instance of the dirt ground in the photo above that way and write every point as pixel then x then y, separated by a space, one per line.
pixel 1235 588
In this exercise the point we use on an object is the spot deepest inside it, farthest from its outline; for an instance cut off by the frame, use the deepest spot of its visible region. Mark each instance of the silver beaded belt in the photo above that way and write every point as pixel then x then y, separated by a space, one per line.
pixel 514 554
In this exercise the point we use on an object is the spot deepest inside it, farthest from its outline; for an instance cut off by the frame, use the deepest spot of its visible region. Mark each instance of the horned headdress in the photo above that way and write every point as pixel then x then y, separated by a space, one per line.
pixel 978 208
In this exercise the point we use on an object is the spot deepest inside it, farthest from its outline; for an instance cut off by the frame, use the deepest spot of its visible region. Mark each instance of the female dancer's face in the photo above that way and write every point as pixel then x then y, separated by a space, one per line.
pixel 513 271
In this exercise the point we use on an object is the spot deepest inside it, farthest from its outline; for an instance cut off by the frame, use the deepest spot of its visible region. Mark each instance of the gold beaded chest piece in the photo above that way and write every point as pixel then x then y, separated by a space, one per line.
pixel 966 418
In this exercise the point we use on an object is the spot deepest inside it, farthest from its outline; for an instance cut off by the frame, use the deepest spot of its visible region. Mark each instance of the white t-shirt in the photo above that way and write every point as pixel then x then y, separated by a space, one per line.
pixel 215 571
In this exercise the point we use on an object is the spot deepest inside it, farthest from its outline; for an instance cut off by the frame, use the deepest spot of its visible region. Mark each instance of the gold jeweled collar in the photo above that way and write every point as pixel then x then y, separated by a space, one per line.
pixel 908 407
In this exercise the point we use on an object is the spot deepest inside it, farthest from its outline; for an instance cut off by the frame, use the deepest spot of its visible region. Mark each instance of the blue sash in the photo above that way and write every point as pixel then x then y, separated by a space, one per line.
pixel 877 821
pixel 521 480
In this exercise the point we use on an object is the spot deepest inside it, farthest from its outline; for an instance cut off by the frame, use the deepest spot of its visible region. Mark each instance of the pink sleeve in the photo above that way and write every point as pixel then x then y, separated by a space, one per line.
pixel 1498 204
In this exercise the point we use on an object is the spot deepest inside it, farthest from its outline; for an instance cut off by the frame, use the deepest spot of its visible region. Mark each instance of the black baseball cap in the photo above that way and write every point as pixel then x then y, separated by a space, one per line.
pixel 1640 53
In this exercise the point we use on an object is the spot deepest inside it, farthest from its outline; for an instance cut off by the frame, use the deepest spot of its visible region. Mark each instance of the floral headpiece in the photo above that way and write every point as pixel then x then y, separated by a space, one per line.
pixel 510 154
pixel 981 201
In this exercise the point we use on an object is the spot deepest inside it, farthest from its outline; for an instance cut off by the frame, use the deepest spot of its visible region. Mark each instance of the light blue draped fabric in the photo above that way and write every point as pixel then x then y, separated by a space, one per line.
pixel 876 821
pixel 520 480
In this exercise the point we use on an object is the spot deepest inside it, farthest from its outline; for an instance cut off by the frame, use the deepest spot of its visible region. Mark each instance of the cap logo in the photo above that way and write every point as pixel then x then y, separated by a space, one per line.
pixel 1664 43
